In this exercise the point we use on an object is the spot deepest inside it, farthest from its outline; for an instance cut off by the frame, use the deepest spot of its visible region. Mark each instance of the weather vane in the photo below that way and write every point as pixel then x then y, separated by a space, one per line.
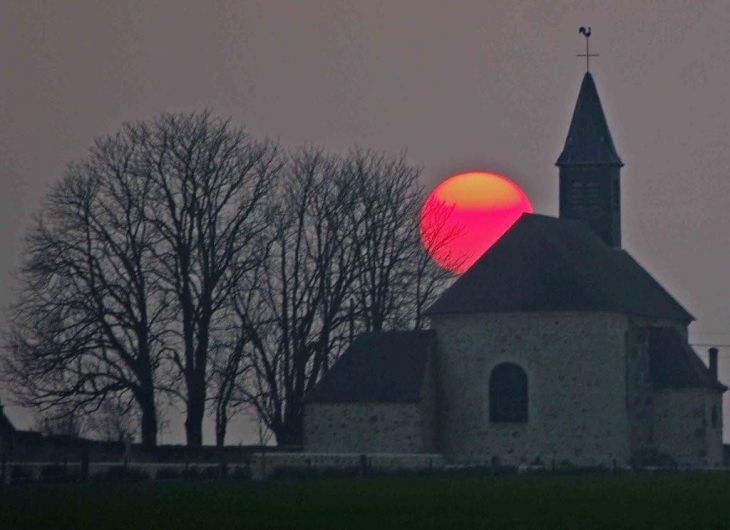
pixel 586 32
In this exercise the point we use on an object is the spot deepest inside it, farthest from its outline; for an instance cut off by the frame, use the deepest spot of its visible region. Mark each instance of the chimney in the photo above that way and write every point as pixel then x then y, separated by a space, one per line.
pixel 713 361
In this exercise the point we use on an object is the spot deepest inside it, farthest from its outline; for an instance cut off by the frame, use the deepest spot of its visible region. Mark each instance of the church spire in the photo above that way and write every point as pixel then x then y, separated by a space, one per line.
pixel 590 169
pixel 589 141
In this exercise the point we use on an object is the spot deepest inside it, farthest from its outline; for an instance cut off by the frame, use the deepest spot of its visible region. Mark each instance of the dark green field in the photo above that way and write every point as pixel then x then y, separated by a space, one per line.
pixel 685 501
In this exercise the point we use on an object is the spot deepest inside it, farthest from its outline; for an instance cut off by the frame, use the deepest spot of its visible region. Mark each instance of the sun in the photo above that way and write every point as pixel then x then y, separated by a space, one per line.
pixel 466 214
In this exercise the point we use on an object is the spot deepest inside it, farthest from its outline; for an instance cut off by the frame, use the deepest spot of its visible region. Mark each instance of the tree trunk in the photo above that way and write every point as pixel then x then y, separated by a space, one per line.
pixel 289 436
pixel 194 427
pixel 291 432
pixel 146 392
pixel 195 412
pixel 149 423
pixel 221 425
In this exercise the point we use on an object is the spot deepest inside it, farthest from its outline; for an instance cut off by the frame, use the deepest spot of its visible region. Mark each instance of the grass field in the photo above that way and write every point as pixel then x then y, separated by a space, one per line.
pixel 685 501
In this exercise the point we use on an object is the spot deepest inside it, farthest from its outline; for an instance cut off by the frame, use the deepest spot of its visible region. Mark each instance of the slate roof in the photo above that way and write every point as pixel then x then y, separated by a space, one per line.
pixel 673 364
pixel 547 264
pixel 5 426
pixel 589 141
pixel 383 367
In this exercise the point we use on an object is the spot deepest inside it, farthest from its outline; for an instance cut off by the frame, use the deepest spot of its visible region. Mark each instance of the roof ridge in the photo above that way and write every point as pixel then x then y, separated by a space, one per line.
pixel 544 264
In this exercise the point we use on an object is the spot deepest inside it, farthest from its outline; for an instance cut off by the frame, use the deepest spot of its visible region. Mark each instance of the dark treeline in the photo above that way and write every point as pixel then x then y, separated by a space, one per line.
pixel 184 262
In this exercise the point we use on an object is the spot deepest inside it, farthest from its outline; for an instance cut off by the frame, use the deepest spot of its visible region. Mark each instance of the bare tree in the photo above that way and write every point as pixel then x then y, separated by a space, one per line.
pixel 90 320
pixel 391 270
pixel 62 421
pixel 345 259
pixel 426 280
pixel 230 364
pixel 297 321
pixel 134 263
pixel 211 184
pixel 115 421
pixel 170 263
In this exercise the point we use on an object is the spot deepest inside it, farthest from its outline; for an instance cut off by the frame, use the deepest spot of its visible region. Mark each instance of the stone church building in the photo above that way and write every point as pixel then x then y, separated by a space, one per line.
pixel 555 346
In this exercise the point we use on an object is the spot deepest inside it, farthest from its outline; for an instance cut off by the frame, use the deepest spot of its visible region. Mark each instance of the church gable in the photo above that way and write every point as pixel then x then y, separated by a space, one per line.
pixel 548 264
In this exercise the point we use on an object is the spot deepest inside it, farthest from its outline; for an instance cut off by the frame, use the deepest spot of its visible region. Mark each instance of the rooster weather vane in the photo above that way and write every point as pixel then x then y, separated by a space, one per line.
pixel 586 32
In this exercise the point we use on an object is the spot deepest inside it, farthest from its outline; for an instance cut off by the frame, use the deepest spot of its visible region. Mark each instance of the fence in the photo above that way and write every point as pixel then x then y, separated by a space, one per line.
pixel 47 472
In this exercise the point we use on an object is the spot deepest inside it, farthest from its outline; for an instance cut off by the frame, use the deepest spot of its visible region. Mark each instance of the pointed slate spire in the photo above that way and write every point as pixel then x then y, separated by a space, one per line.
pixel 589 140
pixel 590 169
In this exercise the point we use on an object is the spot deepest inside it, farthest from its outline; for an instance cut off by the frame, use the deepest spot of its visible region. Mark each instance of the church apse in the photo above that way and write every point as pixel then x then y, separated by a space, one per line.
pixel 568 366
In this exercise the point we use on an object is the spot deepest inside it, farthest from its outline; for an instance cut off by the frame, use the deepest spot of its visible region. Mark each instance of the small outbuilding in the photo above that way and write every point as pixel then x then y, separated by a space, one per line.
pixel 378 397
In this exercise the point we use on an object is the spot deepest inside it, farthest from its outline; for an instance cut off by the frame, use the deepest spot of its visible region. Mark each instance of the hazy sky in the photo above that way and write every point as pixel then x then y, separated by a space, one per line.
pixel 467 84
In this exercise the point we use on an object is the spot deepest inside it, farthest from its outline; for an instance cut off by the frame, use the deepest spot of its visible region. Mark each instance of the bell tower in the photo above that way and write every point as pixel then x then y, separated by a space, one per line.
pixel 590 169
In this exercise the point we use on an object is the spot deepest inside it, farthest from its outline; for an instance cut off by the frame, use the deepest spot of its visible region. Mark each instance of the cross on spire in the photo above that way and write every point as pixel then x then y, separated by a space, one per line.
pixel 586 32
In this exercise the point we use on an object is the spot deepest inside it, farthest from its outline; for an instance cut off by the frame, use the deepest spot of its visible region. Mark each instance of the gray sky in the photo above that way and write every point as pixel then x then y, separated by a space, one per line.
pixel 457 85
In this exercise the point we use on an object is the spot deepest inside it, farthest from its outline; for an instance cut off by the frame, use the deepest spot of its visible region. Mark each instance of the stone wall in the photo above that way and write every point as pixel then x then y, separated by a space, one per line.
pixel 429 407
pixel 576 369
pixel 639 397
pixel 677 422
pixel 682 426
pixel 264 465
pixel 715 447
pixel 364 428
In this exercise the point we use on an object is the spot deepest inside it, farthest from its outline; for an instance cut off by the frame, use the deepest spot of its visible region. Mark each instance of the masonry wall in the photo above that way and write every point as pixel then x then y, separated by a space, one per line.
pixel 429 407
pixel 576 369
pixel 677 422
pixel 364 428
pixel 639 396
pixel 264 465
pixel 683 428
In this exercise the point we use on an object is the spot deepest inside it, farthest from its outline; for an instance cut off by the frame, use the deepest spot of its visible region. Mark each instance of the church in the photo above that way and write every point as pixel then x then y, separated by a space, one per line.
pixel 555 346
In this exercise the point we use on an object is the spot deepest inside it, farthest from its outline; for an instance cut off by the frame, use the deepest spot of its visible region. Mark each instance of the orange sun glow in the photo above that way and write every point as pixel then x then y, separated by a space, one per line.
pixel 466 214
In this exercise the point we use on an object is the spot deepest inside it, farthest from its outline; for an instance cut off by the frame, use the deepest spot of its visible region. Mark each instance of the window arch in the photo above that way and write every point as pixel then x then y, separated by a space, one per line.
pixel 508 394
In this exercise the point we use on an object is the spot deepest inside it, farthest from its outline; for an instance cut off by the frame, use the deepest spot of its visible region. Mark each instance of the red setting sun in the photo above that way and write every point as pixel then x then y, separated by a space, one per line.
pixel 466 214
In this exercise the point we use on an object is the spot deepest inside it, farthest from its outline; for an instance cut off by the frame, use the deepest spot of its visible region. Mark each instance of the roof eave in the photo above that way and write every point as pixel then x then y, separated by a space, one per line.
pixel 719 387
pixel 360 402
pixel 685 320
pixel 558 163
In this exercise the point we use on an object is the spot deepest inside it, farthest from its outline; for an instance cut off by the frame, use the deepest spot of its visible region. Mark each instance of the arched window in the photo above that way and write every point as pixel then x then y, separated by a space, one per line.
pixel 508 394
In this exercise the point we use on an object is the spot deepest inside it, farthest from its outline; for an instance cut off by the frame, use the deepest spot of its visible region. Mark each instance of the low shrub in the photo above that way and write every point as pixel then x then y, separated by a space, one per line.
pixel 124 474
pixel 58 473
pixel 239 473
pixel 285 472
pixel 168 473
pixel 20 473
pixel 201 473
pixel 648 457
pixel 478 471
